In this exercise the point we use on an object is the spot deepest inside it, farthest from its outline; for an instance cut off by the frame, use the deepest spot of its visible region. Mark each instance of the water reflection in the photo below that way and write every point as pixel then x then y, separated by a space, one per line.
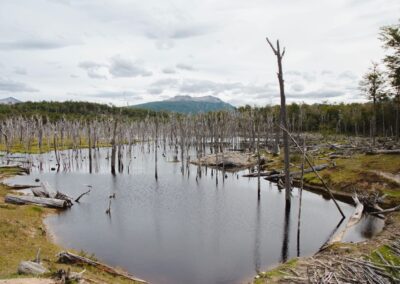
pixel 286 232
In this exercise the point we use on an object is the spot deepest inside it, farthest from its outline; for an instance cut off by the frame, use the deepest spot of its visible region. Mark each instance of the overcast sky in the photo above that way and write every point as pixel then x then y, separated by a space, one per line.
pixel 129 52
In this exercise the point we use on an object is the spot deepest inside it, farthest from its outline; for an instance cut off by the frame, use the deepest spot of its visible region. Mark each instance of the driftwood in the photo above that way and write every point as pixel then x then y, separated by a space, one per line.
pixel 68 276
pixel 393 209
pixel 67 257
pixel 41 201
pixel 80 196
pixel 262 174
pixel 30 267
pixel 353 220
pixel 47 192
pixel 377 152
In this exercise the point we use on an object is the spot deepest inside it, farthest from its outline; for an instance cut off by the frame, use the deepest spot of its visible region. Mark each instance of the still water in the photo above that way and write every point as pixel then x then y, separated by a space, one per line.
pixel 179 229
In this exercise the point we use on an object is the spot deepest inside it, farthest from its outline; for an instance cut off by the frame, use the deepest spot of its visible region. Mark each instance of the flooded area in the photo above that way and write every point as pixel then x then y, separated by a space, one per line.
pixel 183 227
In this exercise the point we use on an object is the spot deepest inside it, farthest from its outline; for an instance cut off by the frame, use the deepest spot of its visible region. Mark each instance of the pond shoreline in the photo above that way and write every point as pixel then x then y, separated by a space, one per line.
pixel 339 249
pixel 46 240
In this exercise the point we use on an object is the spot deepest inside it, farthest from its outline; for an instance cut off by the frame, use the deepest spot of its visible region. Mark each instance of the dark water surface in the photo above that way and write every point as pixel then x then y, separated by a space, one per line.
pixel 179 230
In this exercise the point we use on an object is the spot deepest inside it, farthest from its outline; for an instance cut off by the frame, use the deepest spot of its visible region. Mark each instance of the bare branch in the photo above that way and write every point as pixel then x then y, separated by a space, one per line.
pixel 272 47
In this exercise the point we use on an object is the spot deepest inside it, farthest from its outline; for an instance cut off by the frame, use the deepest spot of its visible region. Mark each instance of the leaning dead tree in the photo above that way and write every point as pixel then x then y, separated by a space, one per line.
pixel 283 121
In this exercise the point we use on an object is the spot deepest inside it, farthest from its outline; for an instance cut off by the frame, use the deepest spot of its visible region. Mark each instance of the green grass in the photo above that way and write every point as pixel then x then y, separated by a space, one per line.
pixel 47 147
pixel 264 277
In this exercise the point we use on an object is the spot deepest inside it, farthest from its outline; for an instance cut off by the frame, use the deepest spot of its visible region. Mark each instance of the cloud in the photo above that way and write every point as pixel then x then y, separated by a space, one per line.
pixel 348 75
pixel 94 70
pixel 186 67
pixel 8 86
pixel 168 70
pixel 194 86
pixel 297 87
pixel 169 82
pixel 32 44
pixel 122 67
pixel 115 94
pixel 155 91
pixel 187 32
pixel 315 95
pixel 20 71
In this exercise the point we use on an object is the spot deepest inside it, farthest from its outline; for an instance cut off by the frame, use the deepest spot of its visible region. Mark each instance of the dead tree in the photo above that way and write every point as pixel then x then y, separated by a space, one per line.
pixel 283 121
pixel 114 147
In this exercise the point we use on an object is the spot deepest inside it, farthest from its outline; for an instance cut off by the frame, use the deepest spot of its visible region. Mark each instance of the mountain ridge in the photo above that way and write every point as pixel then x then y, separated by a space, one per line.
pixel 9 101
pixel 187 104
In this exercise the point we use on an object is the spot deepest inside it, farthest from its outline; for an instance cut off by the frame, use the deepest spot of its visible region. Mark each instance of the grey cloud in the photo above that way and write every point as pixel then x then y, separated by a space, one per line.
pixel 320 94
pixel 121 67
pixel 237 88
pixel 297 87
pixel 20 71
pixel 93 69
pixel 293 73
pixel 168 70
pixel 115 94
pixel 189 32
pixel 169 82
pixel 305 75
pixel 89 64
pixel 155 91
pixel 347 75
pixel 185 67
pixel 326 72
pixel 8 86
pixel 32 44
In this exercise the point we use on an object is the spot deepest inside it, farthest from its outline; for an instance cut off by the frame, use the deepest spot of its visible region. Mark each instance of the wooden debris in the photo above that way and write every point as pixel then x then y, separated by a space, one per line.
pixel 385 151
pixel 80 196
pixel 41 201
pixel 67 257
pixel 353 220
pixel 30 267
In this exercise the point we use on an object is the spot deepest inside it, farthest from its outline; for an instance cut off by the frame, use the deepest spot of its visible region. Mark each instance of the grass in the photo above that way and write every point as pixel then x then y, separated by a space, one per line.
pixel 46 147
pixel 355 173
pixel 389 257
pixel 264 277
pixel 22 232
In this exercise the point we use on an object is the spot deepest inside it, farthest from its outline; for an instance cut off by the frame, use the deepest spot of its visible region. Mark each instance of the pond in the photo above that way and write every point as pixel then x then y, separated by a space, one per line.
pixel 179 228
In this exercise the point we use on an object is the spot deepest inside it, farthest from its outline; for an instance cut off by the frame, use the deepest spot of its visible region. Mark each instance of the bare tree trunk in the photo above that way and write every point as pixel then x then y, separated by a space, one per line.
pixel 114 148
pixel 155 150
pixel 279 55
pixel 90 147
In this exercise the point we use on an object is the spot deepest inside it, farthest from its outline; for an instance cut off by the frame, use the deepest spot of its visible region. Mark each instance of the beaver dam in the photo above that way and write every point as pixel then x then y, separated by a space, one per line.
pixel 182 226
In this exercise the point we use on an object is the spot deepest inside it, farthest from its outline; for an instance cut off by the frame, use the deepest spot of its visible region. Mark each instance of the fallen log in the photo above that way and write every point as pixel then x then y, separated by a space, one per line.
pixel 30 267
pixel 396 208
pixel 262 174
pixel 377 152
pixel 41 201
pixel 67 257
pixel 353 220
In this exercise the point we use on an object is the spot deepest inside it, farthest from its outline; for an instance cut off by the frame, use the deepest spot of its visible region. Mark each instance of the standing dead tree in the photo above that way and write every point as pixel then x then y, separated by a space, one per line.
pixel 283 121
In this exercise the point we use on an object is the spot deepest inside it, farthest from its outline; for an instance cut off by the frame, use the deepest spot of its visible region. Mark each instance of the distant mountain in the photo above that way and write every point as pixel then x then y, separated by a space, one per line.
pixel 9 101
pixel 187 104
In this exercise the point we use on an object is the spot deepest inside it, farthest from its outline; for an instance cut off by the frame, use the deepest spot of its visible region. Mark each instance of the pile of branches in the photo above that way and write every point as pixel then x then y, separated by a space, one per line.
pixel 341 269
